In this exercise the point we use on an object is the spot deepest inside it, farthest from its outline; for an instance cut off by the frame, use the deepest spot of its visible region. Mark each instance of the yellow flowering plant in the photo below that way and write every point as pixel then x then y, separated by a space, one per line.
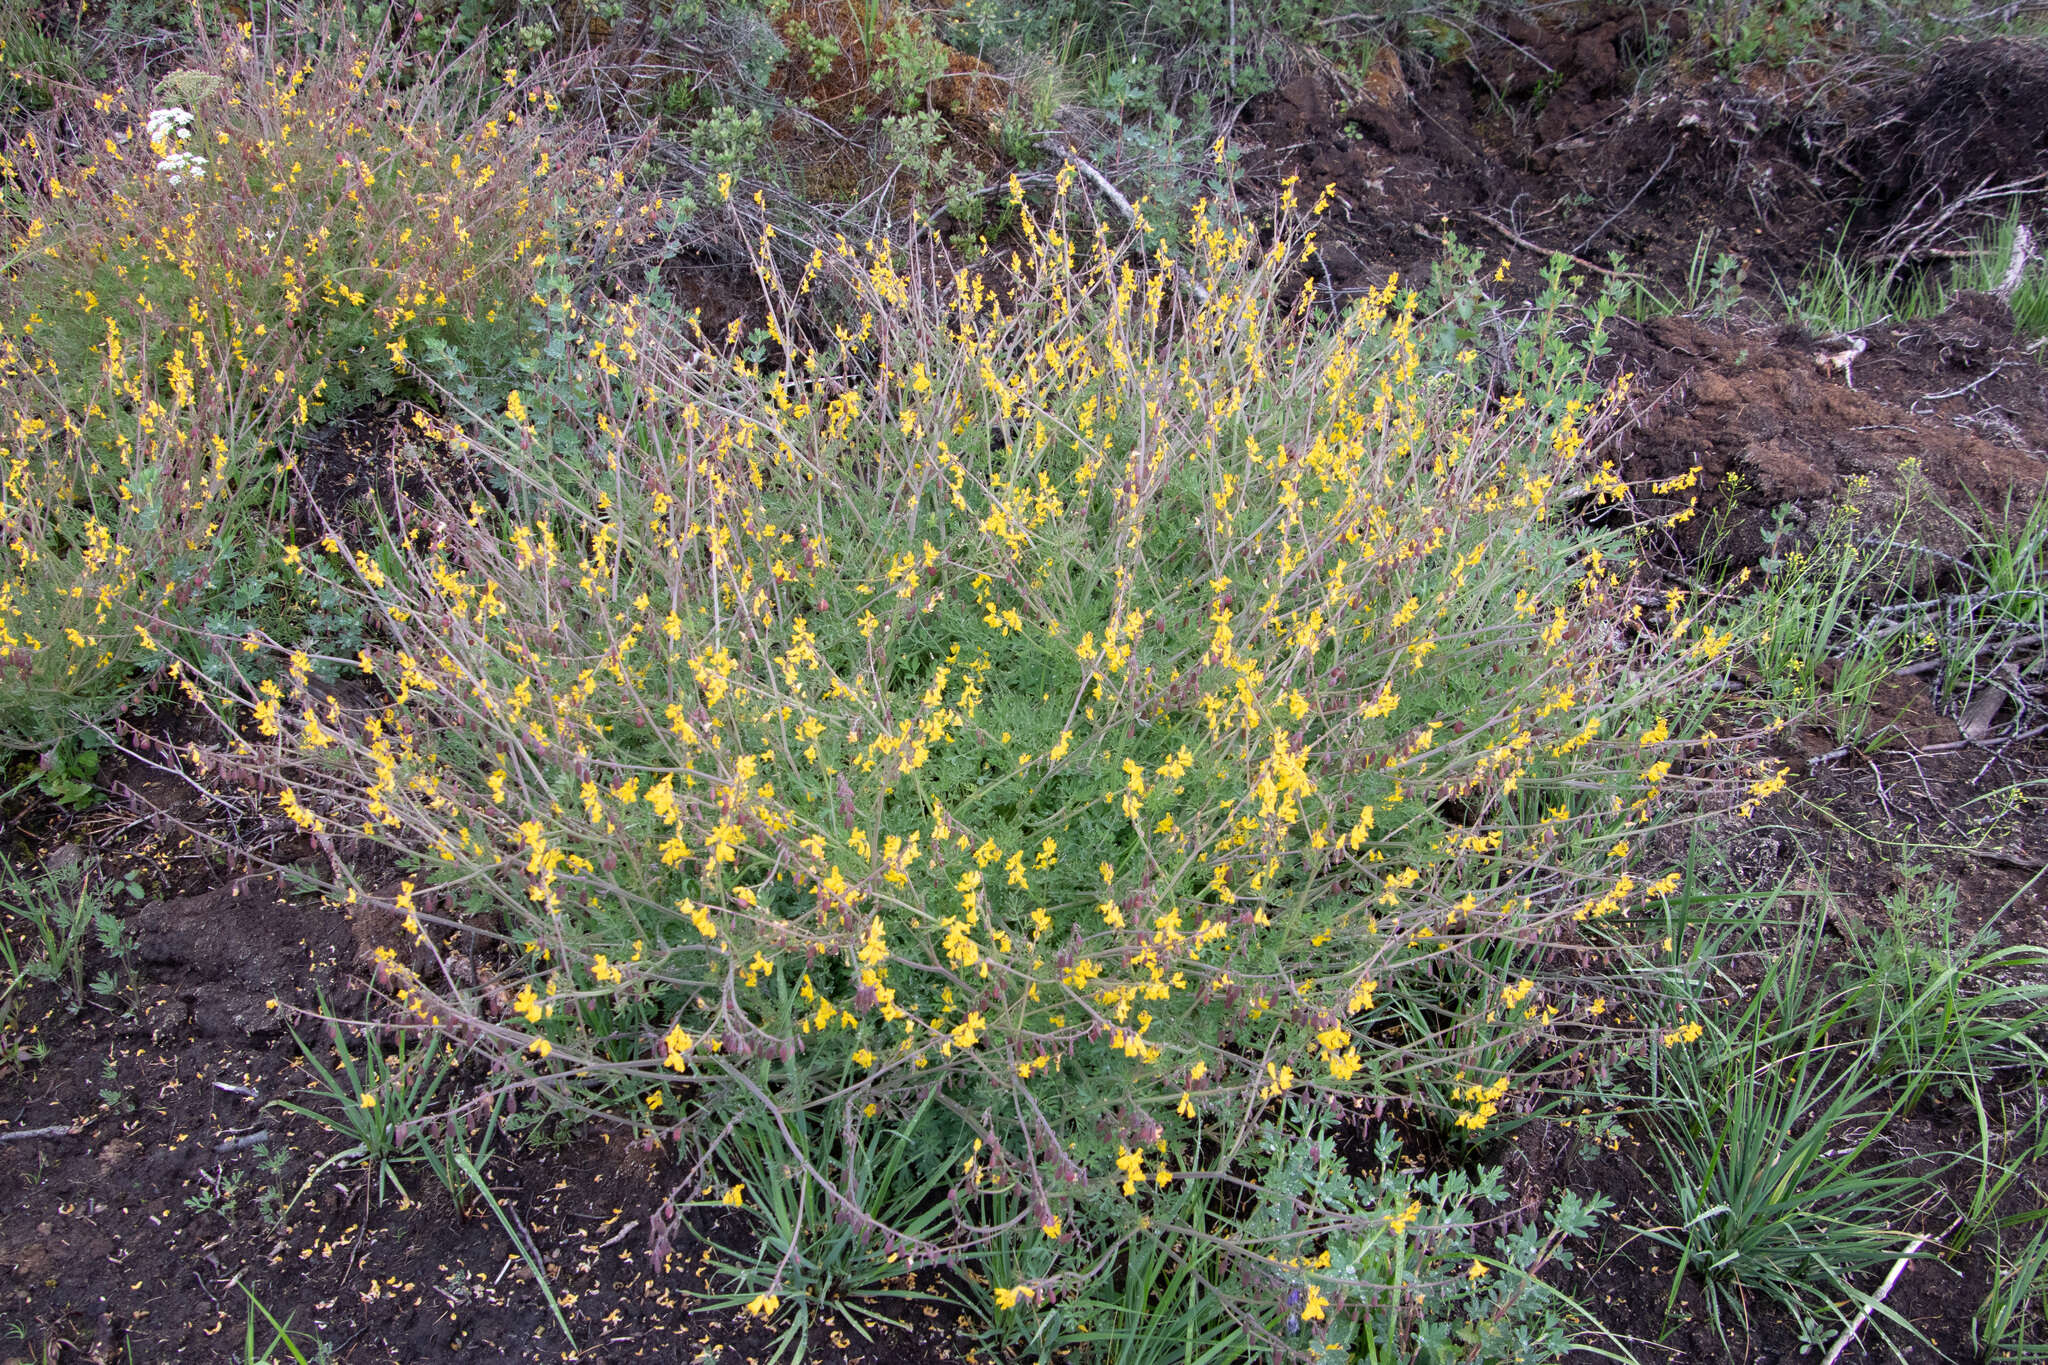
pixel 172 320
pixel 119 515
pixel 1116 702
pixel 353 204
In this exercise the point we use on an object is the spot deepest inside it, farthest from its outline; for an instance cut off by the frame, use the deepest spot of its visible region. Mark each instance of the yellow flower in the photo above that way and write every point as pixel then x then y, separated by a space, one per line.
pixel 1051 1229
pixel 540 1047
pixel 733 1197
pixel 1010 1298
pixel 369 1101
pixel 1477 1272
pixel 763 1306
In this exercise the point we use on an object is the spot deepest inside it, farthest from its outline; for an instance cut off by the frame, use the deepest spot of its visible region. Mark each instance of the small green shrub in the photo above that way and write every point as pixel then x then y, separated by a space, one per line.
pixel 909 61
pixel 729 141
pixel 1397 1274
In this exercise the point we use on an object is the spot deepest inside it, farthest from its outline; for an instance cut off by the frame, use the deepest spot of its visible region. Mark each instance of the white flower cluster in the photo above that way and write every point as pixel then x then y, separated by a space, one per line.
pixel 169 130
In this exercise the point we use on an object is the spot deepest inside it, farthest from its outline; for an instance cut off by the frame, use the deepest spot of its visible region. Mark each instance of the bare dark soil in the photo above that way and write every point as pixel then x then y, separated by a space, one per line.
pixel 1546 139
pixel 104 1255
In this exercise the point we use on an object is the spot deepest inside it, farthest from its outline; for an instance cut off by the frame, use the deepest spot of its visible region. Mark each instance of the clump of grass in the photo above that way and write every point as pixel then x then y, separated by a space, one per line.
pixel 1985 270
pixel 2011 1325
pixel 1712 288
pixel 1773 1092
pixel 382 1099
pixel 1812 625
pixel 1838 294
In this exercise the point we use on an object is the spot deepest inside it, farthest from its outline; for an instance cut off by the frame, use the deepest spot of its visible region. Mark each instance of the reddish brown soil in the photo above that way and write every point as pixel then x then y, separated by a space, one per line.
pixel 1542 141
pixel 1947 412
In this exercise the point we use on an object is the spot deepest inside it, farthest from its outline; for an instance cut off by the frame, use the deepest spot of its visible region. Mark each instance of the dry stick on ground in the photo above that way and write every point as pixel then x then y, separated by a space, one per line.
pixel 33 1134
pixel 1519 240
pixel 1957 393
pixel 1116 197
pixel 1956 745
pixel 1870 1304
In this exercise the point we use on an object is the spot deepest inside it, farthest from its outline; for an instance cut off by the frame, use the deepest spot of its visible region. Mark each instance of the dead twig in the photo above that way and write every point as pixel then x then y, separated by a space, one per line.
pixel 1956 745
pixel 619 1236
pixel 1117 199
pixel 36 1134
pixel 1523 242
pixel 1870 1304
pixel 1957 393
pixel 236 1144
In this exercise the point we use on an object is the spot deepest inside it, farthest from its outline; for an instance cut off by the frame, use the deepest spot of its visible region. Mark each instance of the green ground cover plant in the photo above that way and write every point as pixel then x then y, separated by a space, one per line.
pixel 1079 708
pixel 51 926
